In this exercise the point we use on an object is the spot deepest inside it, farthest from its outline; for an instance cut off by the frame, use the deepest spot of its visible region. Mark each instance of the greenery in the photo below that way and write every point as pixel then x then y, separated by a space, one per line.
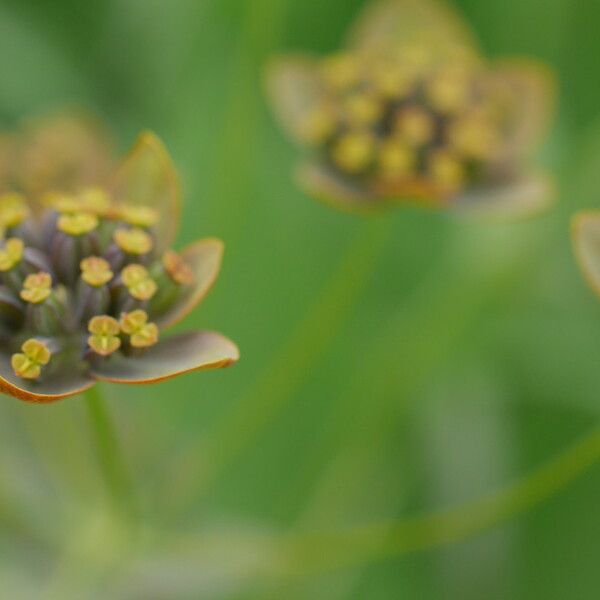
pixel 415 411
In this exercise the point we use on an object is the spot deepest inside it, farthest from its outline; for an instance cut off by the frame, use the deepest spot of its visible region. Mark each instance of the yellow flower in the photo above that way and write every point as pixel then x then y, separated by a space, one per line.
pixel 95 271
pixel 412 74
pixel 141 333
pixel 78 223
pixel 93 330
pixel 104 338
pixel 133 241
pixel 11 254
pixel 37 287
pixel 29 362
pixel 138 282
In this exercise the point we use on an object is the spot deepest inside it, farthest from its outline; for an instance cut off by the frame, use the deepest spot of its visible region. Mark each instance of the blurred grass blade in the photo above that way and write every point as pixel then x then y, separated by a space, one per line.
pixel 267 397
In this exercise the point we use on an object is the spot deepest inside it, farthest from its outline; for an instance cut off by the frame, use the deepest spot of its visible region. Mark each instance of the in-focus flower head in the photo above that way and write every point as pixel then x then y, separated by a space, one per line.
pixel 409 110
pixel 89 282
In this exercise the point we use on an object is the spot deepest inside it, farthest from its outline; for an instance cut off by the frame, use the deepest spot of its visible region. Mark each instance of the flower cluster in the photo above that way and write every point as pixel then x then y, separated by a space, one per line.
pixel 89 281
pixel 398 115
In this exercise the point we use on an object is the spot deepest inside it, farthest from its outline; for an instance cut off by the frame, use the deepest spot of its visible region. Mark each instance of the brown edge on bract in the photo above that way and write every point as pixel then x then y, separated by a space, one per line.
pixel 577 223
pixel 148 139
pixel 222 364
pixel 313 179
pixel 199 294
pixel 20 394
pixel 482 213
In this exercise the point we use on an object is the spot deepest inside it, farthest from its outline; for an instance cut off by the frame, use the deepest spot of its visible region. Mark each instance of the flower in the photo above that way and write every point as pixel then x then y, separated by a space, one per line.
pixel 89 282
pixel 409 110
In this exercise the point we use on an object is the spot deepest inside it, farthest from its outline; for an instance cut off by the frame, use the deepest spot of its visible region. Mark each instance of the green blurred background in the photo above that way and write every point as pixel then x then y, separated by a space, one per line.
pixel 391 367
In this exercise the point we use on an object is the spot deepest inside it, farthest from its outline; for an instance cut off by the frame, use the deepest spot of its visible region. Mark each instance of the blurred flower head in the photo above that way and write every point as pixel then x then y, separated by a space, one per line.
pixel 88 278
pixel 409 110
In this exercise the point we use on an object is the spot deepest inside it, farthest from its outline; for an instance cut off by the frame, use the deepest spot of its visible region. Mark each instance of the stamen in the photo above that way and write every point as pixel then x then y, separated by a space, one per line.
pixel 11 254
pixel 77 224
pixel 95 271
pixel 142 334
pixel 13 210
pixel 133 241
pixel 177 269
pixel 138 281
pixel 28 363
pixel 105 335
pixel 138 216
pixel 36 287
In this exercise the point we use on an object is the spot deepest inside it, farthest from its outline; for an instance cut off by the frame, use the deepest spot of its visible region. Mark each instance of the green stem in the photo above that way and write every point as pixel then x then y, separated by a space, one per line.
pixel 110 458
pixel 362 544
pixel 274 389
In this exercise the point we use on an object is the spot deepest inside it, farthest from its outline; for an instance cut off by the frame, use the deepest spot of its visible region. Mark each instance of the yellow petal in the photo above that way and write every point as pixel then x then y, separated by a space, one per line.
pixel 147 177
pixel 178 355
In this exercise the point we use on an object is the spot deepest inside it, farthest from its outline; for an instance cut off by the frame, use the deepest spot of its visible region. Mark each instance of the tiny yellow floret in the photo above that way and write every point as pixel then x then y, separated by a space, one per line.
pixel 13 210
pixel 141 333
pixel 138 282
pixel 95 271
pixel 37 287
pixel 78 223
pixel 11 254
pixel 133 241
pixel 104 338
pixel 353 152
pixel 177 269
pixel 28 363
pixel 137 215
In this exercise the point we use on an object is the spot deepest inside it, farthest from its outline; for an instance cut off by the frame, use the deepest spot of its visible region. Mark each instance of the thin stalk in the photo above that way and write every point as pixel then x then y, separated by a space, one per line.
pixel 111 462
pixel 363 544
